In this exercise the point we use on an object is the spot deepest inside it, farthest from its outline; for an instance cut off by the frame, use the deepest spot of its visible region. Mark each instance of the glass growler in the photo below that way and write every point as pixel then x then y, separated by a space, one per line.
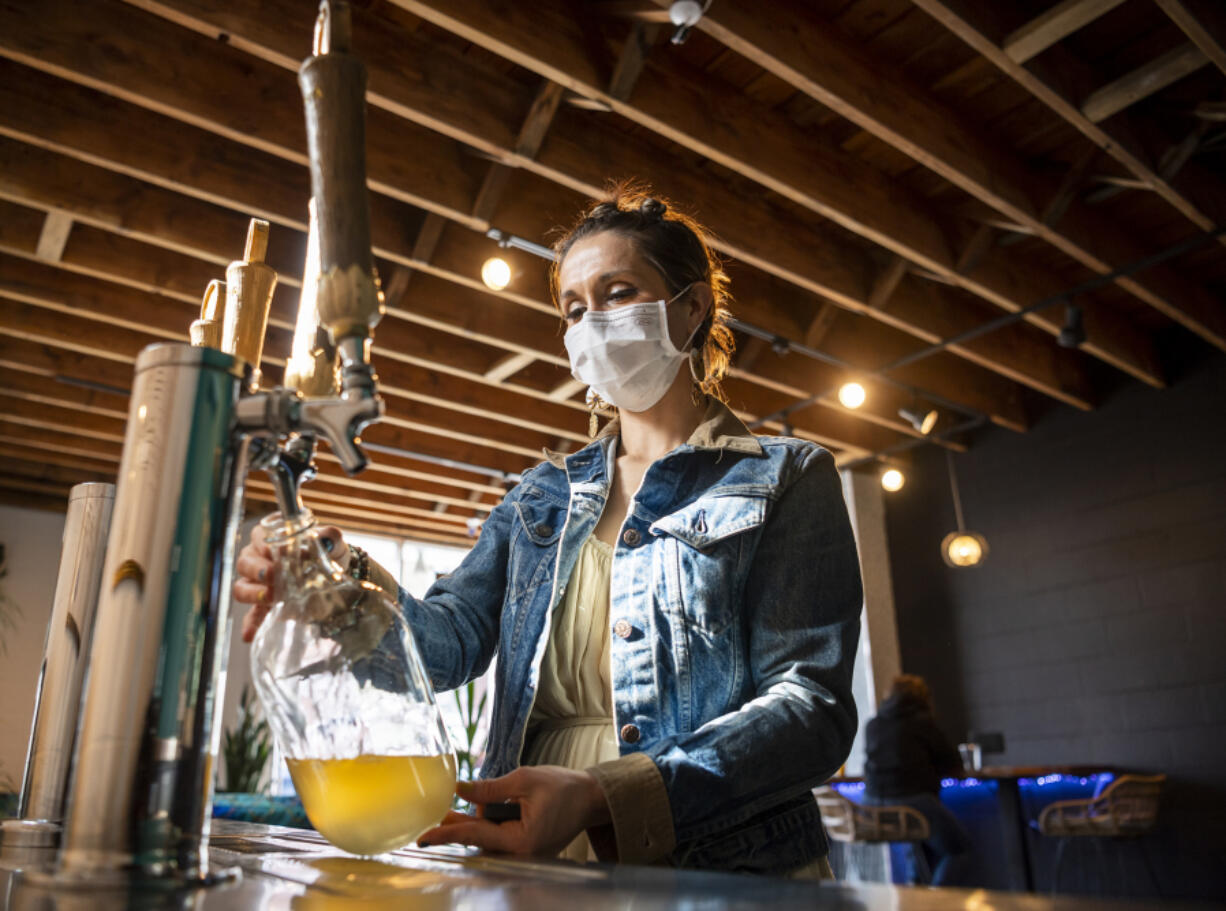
pixel 348 700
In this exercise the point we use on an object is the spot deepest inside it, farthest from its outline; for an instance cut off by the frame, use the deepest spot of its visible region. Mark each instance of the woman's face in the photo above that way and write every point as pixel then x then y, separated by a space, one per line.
pixel 606 270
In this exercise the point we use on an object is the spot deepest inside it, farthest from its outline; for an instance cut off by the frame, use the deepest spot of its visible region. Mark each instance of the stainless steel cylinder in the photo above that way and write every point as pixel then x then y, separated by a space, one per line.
pixel 142 774
pixel 65 651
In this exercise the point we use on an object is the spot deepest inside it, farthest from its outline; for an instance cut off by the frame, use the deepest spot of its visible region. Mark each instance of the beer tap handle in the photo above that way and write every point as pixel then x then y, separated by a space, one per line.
pixel 311 368
pixel 206 331
pixel 333 83
pixel 249 286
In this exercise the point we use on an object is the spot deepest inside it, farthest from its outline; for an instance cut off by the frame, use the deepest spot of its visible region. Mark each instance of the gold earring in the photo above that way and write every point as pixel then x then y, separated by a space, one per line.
pixel 594 404
pixel 698 373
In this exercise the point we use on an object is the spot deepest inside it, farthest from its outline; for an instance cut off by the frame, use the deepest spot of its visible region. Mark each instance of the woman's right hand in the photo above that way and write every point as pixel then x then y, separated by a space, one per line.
pixel 255 571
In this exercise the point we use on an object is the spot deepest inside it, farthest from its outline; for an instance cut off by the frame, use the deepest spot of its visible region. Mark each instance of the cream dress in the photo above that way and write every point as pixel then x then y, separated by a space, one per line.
pixel 572 721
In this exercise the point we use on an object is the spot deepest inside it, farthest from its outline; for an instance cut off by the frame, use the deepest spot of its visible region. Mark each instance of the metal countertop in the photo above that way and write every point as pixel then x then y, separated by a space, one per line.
pixel 286 869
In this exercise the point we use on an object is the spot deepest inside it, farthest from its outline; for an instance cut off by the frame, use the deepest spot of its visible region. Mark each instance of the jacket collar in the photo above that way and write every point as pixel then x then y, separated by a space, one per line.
pixel 719 429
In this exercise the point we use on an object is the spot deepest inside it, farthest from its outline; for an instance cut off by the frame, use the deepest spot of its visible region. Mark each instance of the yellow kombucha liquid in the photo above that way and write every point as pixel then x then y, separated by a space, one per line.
pixel 373 804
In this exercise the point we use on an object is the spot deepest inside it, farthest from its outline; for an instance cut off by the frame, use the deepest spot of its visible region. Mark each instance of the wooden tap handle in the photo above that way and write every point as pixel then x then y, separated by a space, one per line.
pixel 206 331
pixel 249 287
pixel 256 249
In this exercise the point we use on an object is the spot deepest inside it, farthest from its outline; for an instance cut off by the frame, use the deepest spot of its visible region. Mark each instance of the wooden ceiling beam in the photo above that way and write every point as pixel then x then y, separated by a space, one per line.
pixel 876 94
pixel 27 464
pixel 1142 82
pixel 464 442
pixel 1053 25
pixel 531 134
pixel 1204 22
pixel 632 59
pixel 807 255
pixel 386 477
pixel 37 283
pixel 443 414
pixel 1057 81
pixel 46 286
pixel 767 148
pixel 53 237
pixel 428 295
pixel 58 446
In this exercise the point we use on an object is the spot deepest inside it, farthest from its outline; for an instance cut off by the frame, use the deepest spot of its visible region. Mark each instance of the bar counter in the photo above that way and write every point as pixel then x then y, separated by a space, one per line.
pixel 282 868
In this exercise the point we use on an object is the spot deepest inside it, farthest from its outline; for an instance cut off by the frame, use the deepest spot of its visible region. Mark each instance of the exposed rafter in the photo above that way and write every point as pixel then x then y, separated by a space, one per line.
pixel 800 253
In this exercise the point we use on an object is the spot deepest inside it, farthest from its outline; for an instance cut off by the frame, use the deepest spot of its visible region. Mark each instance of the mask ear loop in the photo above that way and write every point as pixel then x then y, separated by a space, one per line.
pixel 697 357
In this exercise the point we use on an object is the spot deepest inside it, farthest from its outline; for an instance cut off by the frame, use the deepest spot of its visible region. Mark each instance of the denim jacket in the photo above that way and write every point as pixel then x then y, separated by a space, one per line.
pixel 734 616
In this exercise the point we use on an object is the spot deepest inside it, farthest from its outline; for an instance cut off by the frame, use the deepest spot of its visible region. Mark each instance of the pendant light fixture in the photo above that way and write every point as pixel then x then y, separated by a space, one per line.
pixel 961 548
pixel 922 421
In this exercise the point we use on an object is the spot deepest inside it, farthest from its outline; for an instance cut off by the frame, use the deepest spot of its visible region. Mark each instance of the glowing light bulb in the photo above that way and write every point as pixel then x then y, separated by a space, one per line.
pixel 142 411
pixel 851 395
pixel 496 273
pixel 964 548
pixel 892 479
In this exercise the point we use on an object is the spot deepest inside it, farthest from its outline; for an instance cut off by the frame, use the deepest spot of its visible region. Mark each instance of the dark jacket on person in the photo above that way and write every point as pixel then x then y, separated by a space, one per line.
pixel 907 753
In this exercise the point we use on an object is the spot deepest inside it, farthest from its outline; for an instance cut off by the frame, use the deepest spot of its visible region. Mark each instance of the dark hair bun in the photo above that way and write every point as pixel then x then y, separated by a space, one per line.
pixel 652 208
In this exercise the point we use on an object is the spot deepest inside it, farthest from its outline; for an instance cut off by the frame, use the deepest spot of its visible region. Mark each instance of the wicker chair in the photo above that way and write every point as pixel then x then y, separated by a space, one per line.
pixel 1126 809
pixel 852 822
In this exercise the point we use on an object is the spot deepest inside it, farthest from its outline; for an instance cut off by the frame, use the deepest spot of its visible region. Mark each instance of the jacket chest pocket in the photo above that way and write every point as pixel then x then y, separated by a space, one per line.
pixel 707 551
pixel 534 546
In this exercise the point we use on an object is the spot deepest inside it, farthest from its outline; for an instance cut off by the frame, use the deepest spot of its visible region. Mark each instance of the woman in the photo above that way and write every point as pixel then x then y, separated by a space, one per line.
pixel 907 755
pixel 675 606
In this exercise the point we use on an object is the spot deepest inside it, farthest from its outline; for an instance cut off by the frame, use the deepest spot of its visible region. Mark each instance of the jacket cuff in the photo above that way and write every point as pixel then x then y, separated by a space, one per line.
pixel 641 830
pixel 377 575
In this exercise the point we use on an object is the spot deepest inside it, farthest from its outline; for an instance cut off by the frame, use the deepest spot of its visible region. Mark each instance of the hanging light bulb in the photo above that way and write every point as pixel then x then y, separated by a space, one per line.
pixel 920 420
pixel 961 548
pixel 851 395
pixel 892 479
pixel 964 548
pixel 496 273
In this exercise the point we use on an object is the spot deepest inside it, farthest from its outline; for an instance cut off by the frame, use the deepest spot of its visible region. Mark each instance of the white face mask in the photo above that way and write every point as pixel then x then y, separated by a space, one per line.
pixel 625 353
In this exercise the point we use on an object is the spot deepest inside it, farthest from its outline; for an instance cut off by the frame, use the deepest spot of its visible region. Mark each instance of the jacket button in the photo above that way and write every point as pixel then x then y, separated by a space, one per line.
pixel 623 628
pixel 630 733
pixel 544 530
pixel 631 537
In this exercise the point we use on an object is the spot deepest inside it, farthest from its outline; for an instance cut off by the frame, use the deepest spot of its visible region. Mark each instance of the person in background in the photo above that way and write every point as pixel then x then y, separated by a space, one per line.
pixel 907 757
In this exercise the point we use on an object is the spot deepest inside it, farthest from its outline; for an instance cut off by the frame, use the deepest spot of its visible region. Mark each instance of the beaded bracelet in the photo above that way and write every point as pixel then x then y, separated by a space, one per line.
pixel 359 564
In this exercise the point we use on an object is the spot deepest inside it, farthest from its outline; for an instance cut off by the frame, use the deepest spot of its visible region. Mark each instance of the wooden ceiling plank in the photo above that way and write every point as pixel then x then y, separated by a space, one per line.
pixel 632 59
pixel 40 325
pixel 826 314
pixel 48 287
pixel 1200 197
pixel 54 236
pixel 531 134
pixel 508 366
pixel 1142 82
pixel 760 145
pixel 742 225
pixel 19 383
pixel 1204 22
pixel 878 97
pixel 1055 24
pixel 45 287
pixel 61 445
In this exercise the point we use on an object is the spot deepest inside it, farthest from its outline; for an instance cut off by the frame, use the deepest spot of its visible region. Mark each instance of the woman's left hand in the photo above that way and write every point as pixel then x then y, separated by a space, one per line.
pixel 555 805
